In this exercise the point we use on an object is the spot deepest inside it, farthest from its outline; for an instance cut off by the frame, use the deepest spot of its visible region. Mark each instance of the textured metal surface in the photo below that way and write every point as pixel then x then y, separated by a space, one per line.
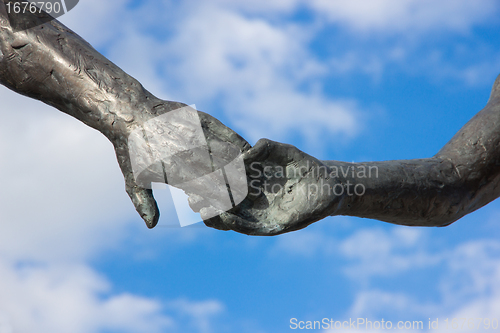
pixel 288 189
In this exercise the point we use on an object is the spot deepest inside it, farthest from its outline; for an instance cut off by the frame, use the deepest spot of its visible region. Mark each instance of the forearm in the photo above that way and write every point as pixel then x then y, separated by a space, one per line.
pixel 462 177
pixel 51 63
pixel 291 189
pixel 425 192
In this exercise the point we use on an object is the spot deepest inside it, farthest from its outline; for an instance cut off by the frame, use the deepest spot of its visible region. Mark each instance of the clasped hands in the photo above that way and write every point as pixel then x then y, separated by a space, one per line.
pixel 54 65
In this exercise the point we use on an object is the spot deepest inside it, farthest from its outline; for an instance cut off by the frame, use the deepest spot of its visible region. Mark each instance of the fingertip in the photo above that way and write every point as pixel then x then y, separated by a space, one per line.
pixel 152 219
pixel 145 204
pixel 263 143
pixel 259 151
pixel 273 151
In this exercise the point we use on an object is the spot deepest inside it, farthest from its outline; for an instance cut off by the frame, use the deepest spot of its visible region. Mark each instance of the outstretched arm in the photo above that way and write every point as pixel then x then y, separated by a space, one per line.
pixel 51 63
pixel 290 189
pixel 462 177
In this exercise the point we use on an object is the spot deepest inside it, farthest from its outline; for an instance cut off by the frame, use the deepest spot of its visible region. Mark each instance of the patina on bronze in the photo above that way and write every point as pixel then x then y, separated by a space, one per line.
pixel 51 63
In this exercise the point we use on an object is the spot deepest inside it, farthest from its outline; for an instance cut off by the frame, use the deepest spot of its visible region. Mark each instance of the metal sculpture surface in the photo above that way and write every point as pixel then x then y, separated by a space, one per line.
pixel 287 188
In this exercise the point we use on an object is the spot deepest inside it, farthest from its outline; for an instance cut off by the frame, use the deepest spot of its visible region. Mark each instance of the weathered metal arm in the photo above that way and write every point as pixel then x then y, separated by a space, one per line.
pixel 291 189
pixel 461 178
pixel 56 66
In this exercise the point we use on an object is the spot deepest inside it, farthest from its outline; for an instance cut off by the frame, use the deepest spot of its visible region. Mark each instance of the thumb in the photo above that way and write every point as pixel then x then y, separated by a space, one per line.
pixel 141 197
pixel 266 150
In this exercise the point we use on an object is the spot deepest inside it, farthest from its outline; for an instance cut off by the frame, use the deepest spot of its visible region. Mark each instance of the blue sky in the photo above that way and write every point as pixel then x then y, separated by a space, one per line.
pixel 345 80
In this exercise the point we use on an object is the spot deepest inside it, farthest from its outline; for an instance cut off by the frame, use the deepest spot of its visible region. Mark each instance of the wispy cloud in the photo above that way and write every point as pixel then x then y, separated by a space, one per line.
pixel 63 184
pixel 71 298
pixel 377 252
pixel 406 16
pixel 199 315
pixel 305 244
pixel 255 70
pixel 468 277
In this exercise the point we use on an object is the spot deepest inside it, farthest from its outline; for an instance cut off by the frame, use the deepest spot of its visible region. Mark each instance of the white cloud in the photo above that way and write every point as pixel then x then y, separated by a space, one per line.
pixel 375 304
pixel 74 298
pixel 305 243
pixel 222 53
pixel 200 314
pixel 468 282
pixel 61 184
pixel 420 38
pixel 406 16
pixel 71 298
pixel 473 270
pixel 256 69
pixel 481 71
pixel 64 194
pixel 62 202
pixel 261 6
pixel 375 252
pixel 98 22
pixel 259 71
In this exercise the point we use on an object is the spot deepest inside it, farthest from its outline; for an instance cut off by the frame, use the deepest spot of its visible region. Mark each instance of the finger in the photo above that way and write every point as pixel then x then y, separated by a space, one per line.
pixel 259 152
pixel 220 220
pixel 266 150
pixel 145 204
pixel 213 128
pixel 238 224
